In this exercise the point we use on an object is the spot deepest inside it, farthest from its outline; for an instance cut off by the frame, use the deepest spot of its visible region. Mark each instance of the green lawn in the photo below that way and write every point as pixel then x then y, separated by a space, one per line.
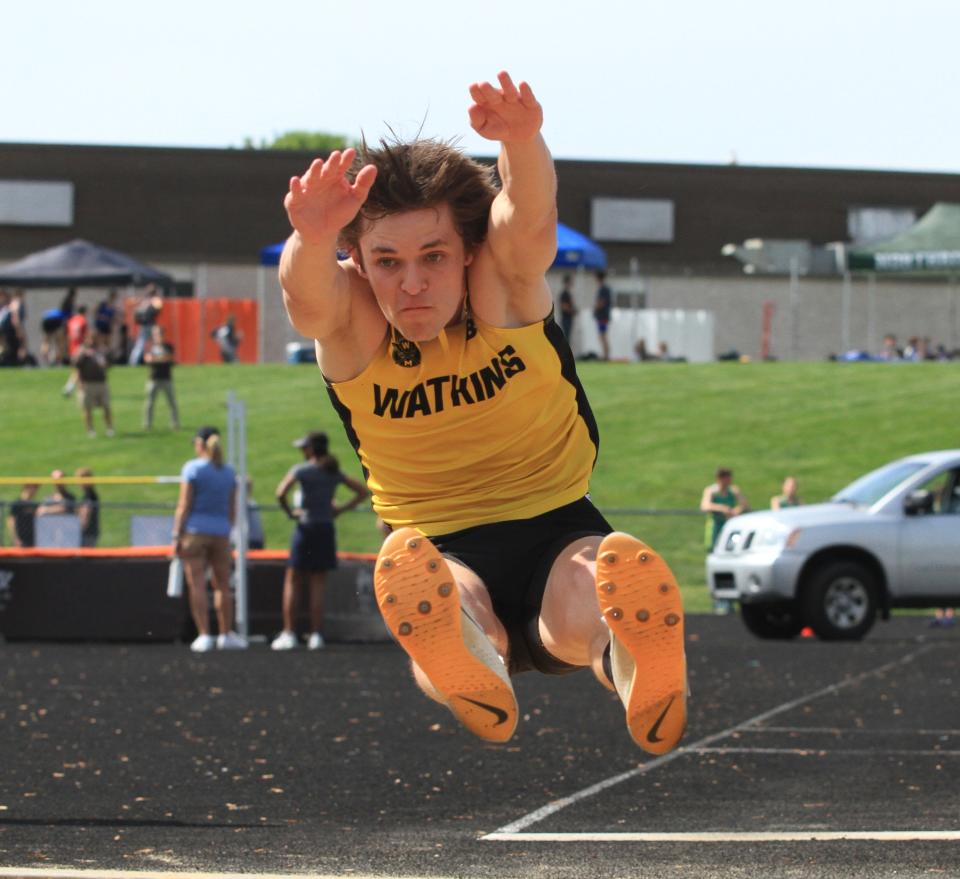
pixel 664 430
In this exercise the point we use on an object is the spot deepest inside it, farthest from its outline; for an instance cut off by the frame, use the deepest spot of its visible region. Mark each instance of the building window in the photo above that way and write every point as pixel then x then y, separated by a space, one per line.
pixel 866 225
pixel 638 220
pixel 36 203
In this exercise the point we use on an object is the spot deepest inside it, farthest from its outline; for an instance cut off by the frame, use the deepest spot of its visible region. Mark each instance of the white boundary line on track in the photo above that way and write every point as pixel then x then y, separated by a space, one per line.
pixel 829 752
pixel 721 836
pixel 844 731
pixel 511 830
pixel 70 873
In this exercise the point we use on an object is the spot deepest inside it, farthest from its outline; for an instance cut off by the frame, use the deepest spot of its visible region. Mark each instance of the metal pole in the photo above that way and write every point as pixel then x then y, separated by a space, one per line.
pixel 794 307
pixel 231 437
pixel 871 310
pixel 845 313
pixel 243 530
pixel 261 313
pixel 953 314
pixel 201 293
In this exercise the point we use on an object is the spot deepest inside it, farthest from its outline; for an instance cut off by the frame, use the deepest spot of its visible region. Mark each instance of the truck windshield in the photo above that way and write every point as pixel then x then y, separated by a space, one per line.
pixel 867 490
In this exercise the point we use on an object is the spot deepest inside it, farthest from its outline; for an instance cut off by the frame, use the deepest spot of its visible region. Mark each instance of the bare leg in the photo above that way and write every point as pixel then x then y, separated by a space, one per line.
pixel 222 599
pixel 291 592
pixel 318 581
pixel 194 570
pixel 571 627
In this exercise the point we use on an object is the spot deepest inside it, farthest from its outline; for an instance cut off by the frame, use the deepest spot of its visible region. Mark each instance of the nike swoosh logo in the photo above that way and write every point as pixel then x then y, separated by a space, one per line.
pixel 652 736
pixel 496 712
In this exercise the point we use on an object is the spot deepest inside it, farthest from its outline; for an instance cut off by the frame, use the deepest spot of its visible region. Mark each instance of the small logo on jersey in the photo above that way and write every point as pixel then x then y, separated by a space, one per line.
pixel 405 352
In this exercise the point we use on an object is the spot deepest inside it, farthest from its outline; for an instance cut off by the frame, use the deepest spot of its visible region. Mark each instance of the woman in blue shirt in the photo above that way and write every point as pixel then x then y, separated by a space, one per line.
pixel 201 532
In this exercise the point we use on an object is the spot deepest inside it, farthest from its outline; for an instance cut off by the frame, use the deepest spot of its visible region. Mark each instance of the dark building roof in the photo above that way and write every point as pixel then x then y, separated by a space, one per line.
pixel 204 205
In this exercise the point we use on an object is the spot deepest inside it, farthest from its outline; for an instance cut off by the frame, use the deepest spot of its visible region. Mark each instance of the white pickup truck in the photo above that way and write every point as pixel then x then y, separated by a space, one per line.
pixel 890 539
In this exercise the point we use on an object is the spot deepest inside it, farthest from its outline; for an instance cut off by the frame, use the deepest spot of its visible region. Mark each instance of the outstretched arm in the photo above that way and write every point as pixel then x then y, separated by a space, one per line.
pixel 319 204
pixel 523 218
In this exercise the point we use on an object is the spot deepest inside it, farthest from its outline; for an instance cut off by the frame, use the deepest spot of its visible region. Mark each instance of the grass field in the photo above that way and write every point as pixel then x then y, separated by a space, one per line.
pixel 664 430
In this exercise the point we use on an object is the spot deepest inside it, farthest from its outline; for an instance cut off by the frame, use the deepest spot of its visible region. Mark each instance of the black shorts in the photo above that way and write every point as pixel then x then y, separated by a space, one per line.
pixel 313 547
pixel 513 559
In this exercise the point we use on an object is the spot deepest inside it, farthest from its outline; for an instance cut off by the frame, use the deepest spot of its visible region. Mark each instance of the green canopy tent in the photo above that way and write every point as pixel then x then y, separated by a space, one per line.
pixel 930 248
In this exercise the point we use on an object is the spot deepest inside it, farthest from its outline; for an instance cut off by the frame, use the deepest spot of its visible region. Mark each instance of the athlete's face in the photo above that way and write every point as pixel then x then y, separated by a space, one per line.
pixel 415 262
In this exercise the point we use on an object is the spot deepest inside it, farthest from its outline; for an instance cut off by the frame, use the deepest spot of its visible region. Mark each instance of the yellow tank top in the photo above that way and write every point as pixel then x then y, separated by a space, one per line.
pixel 482 424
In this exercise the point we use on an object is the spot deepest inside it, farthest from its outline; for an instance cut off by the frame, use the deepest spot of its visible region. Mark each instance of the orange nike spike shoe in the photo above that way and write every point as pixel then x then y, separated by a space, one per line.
pixel 420 603
pixel 640 602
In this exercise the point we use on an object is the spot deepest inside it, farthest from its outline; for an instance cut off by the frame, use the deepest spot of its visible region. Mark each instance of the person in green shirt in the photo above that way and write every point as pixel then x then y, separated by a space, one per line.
pixel 788 496
pixel 721 501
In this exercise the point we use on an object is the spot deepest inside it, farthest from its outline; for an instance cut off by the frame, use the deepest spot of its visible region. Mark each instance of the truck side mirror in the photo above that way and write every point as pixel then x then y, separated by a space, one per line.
pixel 918 503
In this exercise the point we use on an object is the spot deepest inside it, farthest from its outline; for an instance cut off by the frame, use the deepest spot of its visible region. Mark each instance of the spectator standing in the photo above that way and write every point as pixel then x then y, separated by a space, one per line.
pixel 313 549
pixel 788 496
pixel 18 311
pixel 53 345
pixel 20 520
pixel 145 316
pixel 88 509
pixel 721 501
pixel 61 502
pixel 90 373
pixel 77 329
pixel 9 339
pixel 602 307
pixel 206 510
pixel 228 339
pixel 567 309
pixel 159 357
pixel 105 322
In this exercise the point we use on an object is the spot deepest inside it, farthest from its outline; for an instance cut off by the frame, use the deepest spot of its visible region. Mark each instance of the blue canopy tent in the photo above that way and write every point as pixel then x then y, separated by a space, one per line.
pixel 270 255
pixel 573 250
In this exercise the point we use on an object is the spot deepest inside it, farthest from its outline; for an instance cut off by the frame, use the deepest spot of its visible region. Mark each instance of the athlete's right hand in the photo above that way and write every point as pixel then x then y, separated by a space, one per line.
pixel 322 201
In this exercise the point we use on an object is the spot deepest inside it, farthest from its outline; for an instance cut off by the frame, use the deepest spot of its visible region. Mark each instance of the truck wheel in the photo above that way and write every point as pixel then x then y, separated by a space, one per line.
pixel 779 621
pixel 840 601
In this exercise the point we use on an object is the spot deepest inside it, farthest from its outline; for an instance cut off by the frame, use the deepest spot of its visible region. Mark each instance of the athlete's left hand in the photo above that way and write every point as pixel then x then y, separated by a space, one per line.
pixel 507 114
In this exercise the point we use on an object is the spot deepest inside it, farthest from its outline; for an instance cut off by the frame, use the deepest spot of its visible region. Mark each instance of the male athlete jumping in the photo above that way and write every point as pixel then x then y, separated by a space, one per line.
pixel 459 393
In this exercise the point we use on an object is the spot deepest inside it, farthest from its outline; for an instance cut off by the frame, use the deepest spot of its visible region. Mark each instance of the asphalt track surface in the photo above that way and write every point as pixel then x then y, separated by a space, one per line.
pixel 801 759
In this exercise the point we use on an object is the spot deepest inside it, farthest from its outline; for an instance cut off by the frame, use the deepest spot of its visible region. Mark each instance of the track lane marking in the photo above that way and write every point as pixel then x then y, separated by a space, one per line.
pixel 552 808
pixel 93 873
pixel 829 752
pixel 843 731
pixel 747 836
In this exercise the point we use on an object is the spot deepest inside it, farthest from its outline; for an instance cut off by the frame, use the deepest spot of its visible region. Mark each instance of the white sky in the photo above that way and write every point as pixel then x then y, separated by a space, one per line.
pixel 819 83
